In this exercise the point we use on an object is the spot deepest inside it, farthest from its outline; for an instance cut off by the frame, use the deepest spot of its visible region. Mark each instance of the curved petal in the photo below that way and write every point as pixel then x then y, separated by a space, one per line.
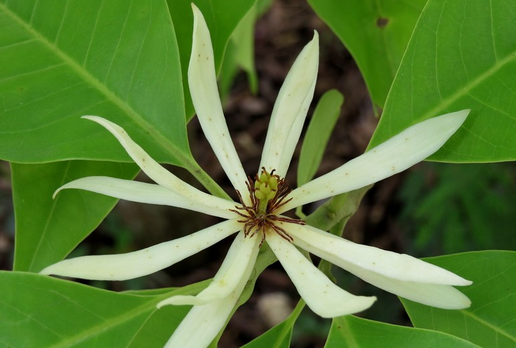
pixel 435 295
pixel 322 296
pixel 290 110
pixel 152 168
pixel 243 252
pixel 395 155
pixel 136 191
pixel 206 100
pixel 202 324
pixel 142 262
pixel 387 263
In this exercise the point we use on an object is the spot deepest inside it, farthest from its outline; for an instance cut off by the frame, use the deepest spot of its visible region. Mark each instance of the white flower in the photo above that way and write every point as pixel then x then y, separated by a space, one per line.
pixel 257 218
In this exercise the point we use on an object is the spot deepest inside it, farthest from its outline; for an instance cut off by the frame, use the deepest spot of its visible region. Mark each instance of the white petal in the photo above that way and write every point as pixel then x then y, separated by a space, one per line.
pixel 203 323
pixel 322 296
pixel 243 251
pixel 290 110
pixel 391 157
pixel 206 100
pixel 142 262
pixel 152 168
pixel 136 191
pixel 342 252
pixel 435 295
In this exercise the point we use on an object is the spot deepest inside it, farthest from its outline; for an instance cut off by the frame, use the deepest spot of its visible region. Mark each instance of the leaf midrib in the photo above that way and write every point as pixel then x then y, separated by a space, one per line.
pixel 174 151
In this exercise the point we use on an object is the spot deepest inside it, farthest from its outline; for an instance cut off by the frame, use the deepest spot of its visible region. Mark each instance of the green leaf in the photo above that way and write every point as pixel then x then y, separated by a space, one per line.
pixel 489 322
pixel 48 229
pixel 280 335
pixel 462 55
pixel 317 135
pixel 40 311
pixel 376 34
pixel 353 332
pixel 222 17
pixel 115 59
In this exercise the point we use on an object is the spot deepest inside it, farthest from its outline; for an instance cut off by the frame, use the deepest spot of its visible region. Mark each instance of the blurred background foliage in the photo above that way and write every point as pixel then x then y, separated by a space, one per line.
pixel 446 208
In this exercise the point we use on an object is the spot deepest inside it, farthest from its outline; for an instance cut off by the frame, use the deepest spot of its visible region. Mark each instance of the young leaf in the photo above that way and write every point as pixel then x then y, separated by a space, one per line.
pixel 461 56
pixel 319 130
pixel 489 322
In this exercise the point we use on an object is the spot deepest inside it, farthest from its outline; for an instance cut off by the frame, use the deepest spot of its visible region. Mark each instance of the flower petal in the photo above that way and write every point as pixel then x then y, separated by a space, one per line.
pixel 202 324
pixel 142 262
pixel 152 168
pixel 435 295
pixel 391 157
pixel 243 251
pixel 322 296
pixel 342 252
pixel 206 100
pixel 136 191
pixel 290 110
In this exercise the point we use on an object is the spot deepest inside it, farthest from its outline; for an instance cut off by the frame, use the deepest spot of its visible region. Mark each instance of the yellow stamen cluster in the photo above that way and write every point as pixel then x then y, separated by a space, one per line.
pixel 268 192
pixel 265 189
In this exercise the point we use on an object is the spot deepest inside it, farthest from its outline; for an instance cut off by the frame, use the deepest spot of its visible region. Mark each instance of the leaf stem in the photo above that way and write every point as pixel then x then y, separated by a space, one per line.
pixel 193 167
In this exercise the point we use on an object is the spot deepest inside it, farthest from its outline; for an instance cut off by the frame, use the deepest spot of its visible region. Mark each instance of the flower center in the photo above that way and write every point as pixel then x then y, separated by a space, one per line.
pixel 268 193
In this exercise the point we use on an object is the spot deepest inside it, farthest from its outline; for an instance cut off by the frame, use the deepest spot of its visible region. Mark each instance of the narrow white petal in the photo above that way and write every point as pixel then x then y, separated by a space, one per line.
pixel 243 251
pixel 435 295
pixel 391 157
pixel 290 109
pixel 206 100
pixel 322 296
pixel 152 168
pixel 203 323
pixel 142 262
pixel 136 191
pixel 342 252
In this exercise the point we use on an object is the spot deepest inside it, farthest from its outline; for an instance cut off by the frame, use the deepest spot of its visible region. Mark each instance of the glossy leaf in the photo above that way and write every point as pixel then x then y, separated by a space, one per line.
pixel 461 56
pixel 222 17
pixel 489 322
pixel 376 34
pixel 41 311
pixel 353 332
pixel 317 135
pixel 64 59
pixel 48 229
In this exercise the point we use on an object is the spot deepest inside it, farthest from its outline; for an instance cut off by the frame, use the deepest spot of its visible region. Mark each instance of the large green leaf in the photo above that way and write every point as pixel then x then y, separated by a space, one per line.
pixel 48 229
pixel 462 55
pixel 40 311
pixel 63 59
pixel 376 33
pixel 353 332
pixel 489 322
pixel 222 17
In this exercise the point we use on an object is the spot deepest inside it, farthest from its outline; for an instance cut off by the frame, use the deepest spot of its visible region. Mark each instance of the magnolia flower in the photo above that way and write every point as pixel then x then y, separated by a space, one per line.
pixel 258 218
